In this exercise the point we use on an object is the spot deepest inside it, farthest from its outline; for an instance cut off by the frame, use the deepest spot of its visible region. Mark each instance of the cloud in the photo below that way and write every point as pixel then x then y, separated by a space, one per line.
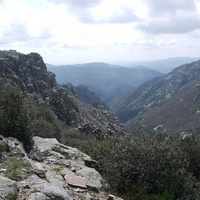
pixel 174 24
pixel 17 32
pixel 172 16
pixel 122 16
pixel 79 8
pixel 77 3
pixel 85 11
pixel 157 7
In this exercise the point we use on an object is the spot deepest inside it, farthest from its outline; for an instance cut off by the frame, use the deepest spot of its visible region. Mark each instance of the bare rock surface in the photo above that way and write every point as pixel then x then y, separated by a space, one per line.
pixel 59 172
pixel 38 196
pixel 8 188
pixel 48 189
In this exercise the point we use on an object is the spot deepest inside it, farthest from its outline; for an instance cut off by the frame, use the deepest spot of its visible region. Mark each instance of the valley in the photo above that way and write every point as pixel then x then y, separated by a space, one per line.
pixel 62 141
pixel 139 94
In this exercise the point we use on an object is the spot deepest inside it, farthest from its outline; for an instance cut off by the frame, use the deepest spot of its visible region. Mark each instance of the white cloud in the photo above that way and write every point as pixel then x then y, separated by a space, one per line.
pixel 181 23
pixel 171 16
pixel 159 8
pixel 77 3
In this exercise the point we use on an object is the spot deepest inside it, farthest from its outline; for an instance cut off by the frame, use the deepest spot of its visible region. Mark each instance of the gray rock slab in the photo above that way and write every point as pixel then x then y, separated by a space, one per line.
pixel 56 179
pixel 76 181
pixel 38 196
pixel 7 188
pixel 89 197
pixel 44 144
pixel 94 179
pixel 50 190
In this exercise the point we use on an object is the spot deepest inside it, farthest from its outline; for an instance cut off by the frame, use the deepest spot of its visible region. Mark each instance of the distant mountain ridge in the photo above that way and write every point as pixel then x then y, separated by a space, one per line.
pixel 171 101
pixel 105 80
pixel 164 66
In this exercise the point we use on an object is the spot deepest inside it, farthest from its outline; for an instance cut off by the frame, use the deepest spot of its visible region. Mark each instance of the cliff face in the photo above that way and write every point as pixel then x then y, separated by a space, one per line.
pixel 30 74
pixel 27 71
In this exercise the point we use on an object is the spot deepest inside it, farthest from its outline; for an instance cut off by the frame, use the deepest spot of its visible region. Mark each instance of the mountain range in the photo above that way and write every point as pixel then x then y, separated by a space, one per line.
pixel 171 101
pixel 164 66
pixel 168 102
pixel 105 80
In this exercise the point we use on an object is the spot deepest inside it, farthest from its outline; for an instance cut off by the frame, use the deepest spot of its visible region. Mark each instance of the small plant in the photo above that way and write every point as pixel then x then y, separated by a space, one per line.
pixel 58 150
pixel 17 170
pixel 47 153
pixel 12 196
pixel 57 169
pixel 35 191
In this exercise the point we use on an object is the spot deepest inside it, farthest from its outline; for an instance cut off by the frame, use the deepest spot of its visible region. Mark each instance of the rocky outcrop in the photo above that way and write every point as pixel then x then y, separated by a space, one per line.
pixel 26 71
pixel 56 172
pixel 30 74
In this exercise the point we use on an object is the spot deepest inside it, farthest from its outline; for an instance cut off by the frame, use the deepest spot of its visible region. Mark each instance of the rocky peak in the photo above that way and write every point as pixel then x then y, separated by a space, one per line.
pixel 26 71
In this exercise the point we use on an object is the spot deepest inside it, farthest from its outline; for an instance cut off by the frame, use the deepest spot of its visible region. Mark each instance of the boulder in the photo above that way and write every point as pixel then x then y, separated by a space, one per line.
pixel 112 197
pixel 44 144
pixel 50 190
pixel 94 179
pixel 8 188
pixel 56 179
pixel 89 197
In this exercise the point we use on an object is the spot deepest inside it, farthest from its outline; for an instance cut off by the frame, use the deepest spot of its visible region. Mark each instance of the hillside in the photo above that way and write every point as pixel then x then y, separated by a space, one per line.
pixel 170 101
pixel 88 96
pixel 105 80
pixel 29 73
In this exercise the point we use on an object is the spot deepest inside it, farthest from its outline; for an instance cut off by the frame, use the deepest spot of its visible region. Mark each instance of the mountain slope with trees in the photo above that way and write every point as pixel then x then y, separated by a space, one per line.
pixel 171 101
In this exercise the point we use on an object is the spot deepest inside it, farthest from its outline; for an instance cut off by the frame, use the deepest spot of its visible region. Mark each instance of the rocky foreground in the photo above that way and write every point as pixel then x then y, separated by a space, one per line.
pixel 51 171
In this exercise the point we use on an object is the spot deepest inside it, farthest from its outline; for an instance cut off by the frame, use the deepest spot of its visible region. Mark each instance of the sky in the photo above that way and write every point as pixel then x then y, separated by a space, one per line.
pixel 82 31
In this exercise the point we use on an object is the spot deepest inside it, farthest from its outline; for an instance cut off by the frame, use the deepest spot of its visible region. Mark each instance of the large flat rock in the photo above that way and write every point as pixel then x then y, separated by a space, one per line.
pixel 76 181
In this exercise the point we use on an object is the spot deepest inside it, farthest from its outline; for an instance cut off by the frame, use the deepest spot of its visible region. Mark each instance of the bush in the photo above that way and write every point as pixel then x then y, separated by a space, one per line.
pixel 45 123
pixel 154 167
pixel 14 115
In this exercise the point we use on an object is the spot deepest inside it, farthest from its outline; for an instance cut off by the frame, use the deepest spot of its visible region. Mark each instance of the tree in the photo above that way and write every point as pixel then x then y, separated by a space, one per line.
pixel 14 115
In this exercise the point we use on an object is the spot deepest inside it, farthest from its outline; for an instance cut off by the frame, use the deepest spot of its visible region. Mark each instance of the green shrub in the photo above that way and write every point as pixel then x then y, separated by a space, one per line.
pixel 14 115
pixel 152 167
pixel 12 196
pixel 45 123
